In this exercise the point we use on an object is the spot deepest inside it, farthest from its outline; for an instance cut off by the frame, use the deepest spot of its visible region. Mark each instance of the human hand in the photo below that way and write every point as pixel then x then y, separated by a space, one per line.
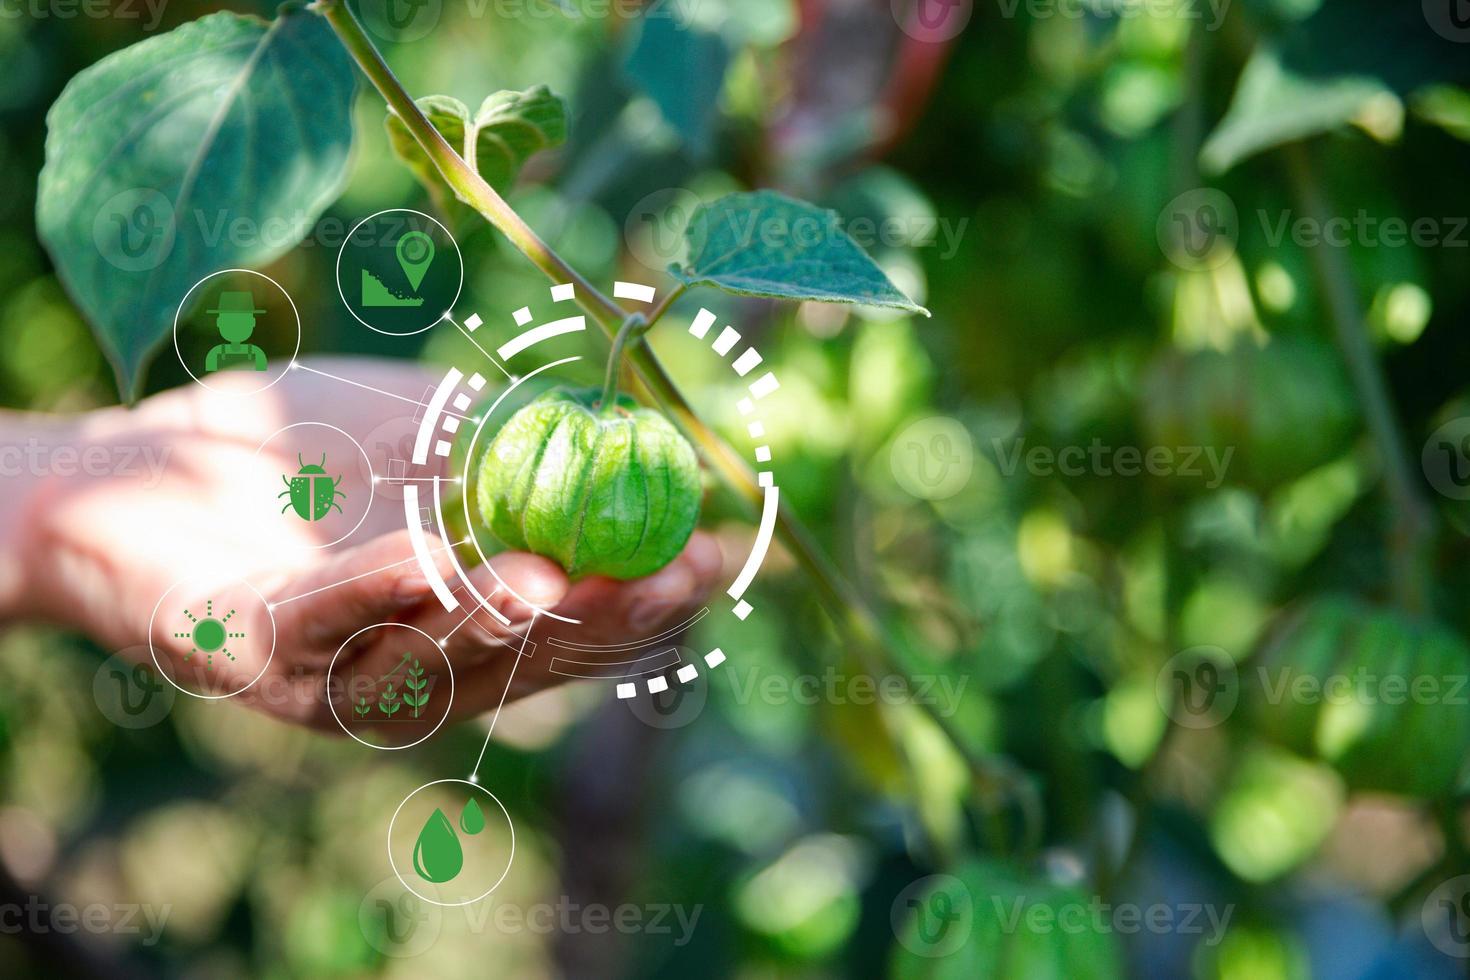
pixel 97 552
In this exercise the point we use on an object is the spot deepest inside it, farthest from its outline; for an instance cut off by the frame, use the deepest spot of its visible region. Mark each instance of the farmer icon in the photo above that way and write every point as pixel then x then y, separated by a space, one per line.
pixel 235 318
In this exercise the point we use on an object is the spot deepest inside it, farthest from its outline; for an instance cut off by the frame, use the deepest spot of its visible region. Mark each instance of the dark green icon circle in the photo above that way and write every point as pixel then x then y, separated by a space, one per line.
pixel 399 272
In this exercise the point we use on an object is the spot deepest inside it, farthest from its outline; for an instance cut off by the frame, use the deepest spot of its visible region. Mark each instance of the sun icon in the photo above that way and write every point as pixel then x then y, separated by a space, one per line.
pixel 209 634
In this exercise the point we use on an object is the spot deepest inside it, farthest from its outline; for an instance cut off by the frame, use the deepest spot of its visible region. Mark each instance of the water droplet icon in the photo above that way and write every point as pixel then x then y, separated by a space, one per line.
pixel 471 818
pixel 437 856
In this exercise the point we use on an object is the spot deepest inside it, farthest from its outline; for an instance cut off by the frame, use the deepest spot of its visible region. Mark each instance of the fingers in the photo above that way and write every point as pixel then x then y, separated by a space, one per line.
pixel 611 612
pixel 380 582
pixel 643 606
pixel 369 584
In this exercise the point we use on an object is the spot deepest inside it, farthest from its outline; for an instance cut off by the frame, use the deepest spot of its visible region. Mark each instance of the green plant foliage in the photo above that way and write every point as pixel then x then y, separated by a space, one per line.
pixel 767 244
pixel 1273 105
pixel 507 130
pixel 1329 70
pixel 1022 927
pixel 681 67
pixel 1281 408
pixel 1370 691
pixel 225 119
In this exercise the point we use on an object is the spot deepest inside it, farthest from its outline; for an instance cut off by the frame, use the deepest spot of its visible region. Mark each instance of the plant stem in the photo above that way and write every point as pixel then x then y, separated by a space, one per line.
pixel 629 333
pixel 993 776
pixel 1411 534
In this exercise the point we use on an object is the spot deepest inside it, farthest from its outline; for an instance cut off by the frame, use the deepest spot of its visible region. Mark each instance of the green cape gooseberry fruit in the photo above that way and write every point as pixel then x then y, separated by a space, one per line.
pixel 605 490
pixel 1369 690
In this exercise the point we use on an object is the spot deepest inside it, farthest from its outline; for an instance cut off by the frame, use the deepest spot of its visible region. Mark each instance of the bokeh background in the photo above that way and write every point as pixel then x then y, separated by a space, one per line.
pixel 1102 203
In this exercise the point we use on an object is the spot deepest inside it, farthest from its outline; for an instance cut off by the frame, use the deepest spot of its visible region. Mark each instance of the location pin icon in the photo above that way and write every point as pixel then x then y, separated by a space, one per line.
pixel 415 255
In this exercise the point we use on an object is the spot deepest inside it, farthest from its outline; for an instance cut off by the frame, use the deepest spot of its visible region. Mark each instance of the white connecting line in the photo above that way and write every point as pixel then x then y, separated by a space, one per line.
pixel 492 360
pixel 298 366
pixel 281 602
pixel 475 772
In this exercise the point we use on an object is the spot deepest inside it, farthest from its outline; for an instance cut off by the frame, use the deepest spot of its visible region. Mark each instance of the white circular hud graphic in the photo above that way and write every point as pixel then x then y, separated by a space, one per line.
pixel 229 313
pixel 451 842
pixel 399 272
pixel 410 690
pixel 219 634
pixel 317 484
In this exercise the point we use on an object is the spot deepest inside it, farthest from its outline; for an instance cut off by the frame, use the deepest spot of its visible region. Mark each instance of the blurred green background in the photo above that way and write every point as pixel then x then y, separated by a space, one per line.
pixel 1022 178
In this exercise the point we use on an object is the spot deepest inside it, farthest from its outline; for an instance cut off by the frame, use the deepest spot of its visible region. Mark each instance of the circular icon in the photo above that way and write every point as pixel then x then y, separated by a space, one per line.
pixel 933 21
pixel 398 923
pixel 243 323
pixel 455 836
pixel 1446 459
pixel 655 228
pixel 933 916
pixel 129 692
pixel 1199 229
pixel 394 684
pixel 313 483
pixel 1450 19
pixel 1445 916
pixel 401 20
pixel 399 272
pixel 675 706
pixel 224 637
pixel 1198 687
pixel 932 458
pixel 134 229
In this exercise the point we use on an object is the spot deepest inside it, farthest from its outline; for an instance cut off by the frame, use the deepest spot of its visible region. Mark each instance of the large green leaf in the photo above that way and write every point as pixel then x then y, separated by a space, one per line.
pixel 767 244
pixel 212 146
pixel 508 130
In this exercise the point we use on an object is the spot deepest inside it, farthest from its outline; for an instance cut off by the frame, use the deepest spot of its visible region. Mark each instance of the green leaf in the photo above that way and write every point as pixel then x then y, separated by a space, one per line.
pixel 508 130
pixel 1333 68
pixel 682 68
pixel 767 244
pixel 172 142
pixel 1273 106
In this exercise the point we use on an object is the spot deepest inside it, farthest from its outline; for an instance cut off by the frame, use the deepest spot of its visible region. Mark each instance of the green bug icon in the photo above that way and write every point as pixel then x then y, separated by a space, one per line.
pixel 313 494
